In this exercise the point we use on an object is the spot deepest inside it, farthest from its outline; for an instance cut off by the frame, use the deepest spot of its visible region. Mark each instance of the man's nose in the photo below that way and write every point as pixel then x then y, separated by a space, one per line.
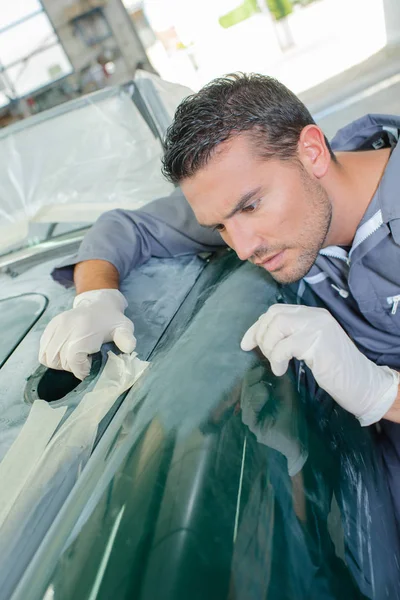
pixel 244 242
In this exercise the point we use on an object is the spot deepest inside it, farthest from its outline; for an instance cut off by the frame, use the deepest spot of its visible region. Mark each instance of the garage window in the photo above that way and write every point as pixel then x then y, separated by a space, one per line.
pixel 31 55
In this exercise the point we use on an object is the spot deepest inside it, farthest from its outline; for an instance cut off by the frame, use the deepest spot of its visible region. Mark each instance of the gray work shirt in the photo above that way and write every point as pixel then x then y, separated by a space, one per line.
pixel 361 287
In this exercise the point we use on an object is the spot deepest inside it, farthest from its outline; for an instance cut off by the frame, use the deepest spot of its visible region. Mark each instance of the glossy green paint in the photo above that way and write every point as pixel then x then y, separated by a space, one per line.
pixel 189 504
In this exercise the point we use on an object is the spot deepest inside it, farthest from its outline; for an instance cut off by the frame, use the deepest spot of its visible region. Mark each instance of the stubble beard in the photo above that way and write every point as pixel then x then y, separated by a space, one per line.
pixel 314 234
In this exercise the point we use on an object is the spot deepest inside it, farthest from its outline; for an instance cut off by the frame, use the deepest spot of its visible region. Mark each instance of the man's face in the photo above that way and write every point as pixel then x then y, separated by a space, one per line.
pixel 271 212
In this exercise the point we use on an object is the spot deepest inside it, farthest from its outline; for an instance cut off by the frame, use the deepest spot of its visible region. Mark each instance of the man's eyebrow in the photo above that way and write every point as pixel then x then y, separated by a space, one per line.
pixel 239 206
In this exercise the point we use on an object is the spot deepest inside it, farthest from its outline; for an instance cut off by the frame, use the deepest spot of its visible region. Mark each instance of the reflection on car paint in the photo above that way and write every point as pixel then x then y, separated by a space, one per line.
pixel 293 504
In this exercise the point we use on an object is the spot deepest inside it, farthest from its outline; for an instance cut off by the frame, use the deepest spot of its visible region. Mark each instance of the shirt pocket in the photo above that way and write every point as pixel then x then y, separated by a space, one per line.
pixel 393 303
pixel 383 313
pixel 391 308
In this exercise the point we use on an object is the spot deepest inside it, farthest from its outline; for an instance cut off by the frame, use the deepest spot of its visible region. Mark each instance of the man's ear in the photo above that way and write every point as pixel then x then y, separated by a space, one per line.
pixel 313 152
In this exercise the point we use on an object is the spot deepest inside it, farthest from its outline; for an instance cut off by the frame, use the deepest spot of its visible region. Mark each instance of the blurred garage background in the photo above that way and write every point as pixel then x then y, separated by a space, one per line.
pixel 340 56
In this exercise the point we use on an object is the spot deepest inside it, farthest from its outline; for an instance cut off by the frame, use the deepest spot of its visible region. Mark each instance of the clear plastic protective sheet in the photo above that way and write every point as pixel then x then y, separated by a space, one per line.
pixel 161 97
pixel 73 162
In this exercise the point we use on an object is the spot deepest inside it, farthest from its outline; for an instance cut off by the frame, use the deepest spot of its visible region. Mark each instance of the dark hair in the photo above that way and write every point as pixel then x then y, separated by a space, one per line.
pixel 229 106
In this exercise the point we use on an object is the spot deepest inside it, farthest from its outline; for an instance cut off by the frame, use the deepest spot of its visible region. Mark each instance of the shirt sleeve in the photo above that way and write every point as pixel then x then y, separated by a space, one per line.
pixel 163 228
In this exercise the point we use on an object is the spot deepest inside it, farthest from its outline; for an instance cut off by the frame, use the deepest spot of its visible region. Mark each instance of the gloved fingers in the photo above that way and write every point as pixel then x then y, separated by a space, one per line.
pixel 270 333
pixel 46 342
pixel 65 357
pixel 285 314
pixel 286 311
pixel 74 356
pixel 49 353
pixel 266 333
pixel 124 339
pixel 53 350
pixel 249 339
pixel 52 361
pixel 76 362
pixel 290 347
pixel 280 367
pixel 81 365
pixel 292 317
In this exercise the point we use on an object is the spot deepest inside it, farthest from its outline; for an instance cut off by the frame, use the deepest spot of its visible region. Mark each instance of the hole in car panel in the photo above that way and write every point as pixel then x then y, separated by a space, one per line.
pixel 17 316
pixel 53 384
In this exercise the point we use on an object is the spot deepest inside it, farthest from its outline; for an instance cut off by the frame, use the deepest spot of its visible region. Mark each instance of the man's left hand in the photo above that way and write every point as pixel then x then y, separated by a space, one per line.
pixel 313 335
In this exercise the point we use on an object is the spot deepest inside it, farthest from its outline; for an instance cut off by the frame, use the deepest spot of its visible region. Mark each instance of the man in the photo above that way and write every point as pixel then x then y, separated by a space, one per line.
pixel 260 176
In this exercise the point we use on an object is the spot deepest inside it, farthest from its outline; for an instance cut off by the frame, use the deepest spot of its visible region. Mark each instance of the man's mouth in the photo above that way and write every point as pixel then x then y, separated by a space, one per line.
pixel 273 262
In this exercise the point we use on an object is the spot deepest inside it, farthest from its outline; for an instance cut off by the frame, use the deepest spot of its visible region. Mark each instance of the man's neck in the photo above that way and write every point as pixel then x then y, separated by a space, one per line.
pixel 351 186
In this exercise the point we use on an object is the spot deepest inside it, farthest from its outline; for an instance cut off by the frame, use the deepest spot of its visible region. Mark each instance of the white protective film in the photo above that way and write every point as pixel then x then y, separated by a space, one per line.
pixel 26 451
pixel 71 445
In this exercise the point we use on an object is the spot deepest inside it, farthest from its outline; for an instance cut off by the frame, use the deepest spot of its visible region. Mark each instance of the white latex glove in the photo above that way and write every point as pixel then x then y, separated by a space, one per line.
pixel 71 337
pixel 312 334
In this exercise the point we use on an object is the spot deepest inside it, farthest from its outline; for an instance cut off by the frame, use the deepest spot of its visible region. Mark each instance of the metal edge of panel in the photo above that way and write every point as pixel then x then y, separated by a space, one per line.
pixel 19 256
pixel 35 318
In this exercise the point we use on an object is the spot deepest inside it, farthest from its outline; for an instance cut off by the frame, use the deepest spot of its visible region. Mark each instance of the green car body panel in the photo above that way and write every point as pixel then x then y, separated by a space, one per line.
pixel 182 500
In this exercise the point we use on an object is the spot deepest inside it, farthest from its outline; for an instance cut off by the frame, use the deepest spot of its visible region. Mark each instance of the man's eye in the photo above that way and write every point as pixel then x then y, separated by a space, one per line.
pixel 251 207
pixel 219 228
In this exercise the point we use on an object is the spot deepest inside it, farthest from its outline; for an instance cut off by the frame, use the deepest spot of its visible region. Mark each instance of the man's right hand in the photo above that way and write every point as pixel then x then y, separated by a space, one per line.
pixel 70 338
